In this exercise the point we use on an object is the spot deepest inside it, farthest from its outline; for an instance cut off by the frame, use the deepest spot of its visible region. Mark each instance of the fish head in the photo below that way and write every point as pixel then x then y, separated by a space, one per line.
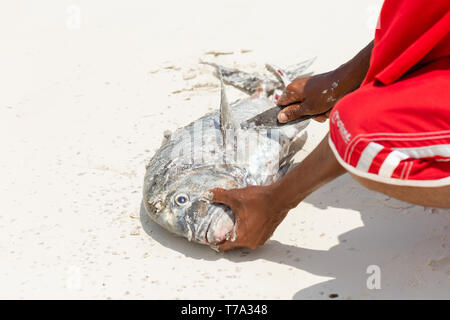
pixel 183 205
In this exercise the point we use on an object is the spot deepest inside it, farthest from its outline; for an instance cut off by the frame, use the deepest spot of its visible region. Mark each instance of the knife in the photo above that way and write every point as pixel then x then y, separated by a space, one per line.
pixel 269 119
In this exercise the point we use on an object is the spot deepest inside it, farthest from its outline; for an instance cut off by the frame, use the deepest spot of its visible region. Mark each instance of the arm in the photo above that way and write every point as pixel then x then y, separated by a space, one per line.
pixel 319 93
pixel 260 209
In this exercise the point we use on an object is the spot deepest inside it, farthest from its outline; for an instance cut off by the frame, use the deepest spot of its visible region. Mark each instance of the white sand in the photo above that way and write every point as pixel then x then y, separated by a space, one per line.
pixel 83 106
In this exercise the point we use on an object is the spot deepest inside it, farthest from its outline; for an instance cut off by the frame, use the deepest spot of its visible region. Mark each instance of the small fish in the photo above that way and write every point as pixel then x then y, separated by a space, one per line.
pixel 217 150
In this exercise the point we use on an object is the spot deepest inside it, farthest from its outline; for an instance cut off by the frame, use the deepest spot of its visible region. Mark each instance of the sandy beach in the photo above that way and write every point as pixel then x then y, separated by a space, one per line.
pixel 89 87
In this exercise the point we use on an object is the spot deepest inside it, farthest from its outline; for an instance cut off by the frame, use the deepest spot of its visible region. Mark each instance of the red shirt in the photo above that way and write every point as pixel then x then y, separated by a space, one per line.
pixel 409 32
pixel 395 129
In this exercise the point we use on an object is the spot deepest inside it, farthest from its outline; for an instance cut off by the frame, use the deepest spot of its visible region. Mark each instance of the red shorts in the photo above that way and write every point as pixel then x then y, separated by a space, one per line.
pixel 397 133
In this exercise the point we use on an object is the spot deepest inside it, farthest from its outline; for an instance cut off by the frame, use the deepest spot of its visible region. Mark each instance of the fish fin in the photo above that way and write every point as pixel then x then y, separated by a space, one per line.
pixel 247 82
pixel 166 137
pixel 251 83
pixel 279 73
pixel 298 69
pixel 294 147
pixel 290 73
pixel 227 122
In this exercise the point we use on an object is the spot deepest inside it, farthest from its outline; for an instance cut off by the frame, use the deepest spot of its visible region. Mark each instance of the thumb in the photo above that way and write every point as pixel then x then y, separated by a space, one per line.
pixel 294 92
pixel 293 112
pixel 229 245
pixel 323 117
pixel 225 197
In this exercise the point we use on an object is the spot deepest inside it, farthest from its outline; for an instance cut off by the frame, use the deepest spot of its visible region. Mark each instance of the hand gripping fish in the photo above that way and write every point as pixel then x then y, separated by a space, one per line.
pixel 218 150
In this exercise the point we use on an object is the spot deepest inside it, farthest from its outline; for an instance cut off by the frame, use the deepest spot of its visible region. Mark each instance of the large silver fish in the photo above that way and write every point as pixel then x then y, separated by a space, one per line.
pixel 216 151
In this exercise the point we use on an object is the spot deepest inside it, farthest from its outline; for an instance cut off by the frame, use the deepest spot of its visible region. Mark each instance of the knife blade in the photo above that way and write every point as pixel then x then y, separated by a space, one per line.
pixel 269 119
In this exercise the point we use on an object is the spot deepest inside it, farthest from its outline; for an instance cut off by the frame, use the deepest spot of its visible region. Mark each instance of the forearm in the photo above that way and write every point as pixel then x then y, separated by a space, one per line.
pixel 352 73
pixel 320 166
pixel 317 169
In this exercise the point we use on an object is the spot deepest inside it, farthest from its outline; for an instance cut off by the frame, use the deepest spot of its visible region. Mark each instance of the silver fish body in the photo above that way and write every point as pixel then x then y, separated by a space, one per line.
pixel 214 151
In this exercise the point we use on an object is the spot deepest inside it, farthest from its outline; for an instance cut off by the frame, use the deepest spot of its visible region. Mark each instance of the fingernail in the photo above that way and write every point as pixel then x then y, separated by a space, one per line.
pixel 208 195
pixel 215 248
pixel 282 117
pixel 233 236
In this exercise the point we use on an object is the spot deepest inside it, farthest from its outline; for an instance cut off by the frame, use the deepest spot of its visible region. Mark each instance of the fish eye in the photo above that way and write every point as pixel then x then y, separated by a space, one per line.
pixel 181 199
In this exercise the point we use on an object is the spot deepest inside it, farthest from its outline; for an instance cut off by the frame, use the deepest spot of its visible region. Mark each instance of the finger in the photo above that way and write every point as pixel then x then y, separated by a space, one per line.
pixel 289 96
pixel 323 117
pixel 229 245
pixel 232 240
pixel 293 92
pixel 224 196
pixel 293 112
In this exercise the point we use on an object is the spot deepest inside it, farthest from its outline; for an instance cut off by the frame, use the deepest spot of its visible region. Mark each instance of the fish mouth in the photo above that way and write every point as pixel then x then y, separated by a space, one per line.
pixel 205 237
pixel 219 226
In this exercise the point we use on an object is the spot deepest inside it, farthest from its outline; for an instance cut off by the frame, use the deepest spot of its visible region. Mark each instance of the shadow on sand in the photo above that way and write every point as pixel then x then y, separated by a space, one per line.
pixel 383 237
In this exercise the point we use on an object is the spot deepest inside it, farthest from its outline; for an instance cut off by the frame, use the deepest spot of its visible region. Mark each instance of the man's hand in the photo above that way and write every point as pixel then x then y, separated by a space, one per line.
pixel 318 94
pixel 256 213
pixel 314 95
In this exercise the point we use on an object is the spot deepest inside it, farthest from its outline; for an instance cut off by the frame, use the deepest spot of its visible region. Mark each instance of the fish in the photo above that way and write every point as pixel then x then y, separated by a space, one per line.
pixel 216 150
